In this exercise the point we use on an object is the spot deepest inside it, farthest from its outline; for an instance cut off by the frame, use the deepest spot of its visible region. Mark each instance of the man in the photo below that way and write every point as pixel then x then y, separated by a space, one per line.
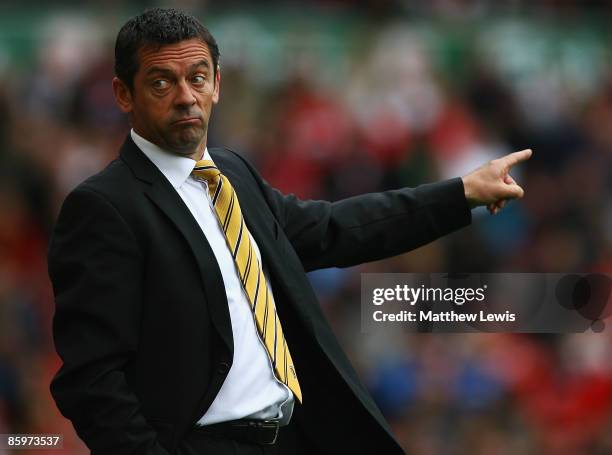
pixel 184 317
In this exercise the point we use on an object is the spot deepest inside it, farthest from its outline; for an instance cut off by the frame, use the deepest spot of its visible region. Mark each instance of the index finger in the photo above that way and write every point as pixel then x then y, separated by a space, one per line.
pixel 516 157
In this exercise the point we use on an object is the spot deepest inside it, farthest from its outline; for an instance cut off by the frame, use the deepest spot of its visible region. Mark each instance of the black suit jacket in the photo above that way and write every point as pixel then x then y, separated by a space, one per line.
pixel 142 322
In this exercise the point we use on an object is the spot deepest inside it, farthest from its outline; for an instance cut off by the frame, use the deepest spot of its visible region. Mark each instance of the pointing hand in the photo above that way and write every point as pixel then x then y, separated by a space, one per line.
pixel 492 185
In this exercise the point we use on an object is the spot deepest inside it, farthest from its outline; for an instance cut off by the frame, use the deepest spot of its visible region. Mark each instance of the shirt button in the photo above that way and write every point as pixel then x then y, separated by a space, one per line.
pixel 223 368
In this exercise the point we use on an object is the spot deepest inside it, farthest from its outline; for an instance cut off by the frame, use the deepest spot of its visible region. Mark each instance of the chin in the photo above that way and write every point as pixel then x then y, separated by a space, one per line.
pixel 188 141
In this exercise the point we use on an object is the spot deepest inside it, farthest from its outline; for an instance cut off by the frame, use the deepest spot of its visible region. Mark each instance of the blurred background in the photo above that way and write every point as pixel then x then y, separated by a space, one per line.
pixel 335 98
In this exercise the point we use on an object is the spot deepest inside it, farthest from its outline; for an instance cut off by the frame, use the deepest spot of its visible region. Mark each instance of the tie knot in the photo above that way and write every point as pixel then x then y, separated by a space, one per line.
pixel 206 169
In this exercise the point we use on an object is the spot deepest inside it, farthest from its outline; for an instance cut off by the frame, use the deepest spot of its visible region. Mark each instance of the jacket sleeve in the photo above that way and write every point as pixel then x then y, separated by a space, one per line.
pixel 368 227
pixel 96 268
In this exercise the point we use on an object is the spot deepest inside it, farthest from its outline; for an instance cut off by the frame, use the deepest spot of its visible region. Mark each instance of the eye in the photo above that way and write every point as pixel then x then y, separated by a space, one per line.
pixel 160 84
pixel 198 79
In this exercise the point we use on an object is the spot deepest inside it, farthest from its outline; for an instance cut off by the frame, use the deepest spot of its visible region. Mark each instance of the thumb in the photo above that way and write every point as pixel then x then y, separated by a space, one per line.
pixel 512 191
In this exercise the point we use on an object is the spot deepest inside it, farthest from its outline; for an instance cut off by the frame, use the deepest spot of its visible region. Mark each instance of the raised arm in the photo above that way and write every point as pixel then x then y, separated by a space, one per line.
pixel 379 225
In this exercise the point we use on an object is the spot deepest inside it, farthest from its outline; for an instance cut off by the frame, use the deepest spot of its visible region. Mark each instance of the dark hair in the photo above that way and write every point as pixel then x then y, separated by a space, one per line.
pixel 157 26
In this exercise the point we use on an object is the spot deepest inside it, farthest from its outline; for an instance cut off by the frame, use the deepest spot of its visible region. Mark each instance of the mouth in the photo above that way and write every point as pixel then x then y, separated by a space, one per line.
pixel 188 121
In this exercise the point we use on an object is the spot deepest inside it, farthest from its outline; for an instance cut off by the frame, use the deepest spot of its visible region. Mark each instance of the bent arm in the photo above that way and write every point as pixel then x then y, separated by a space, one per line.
pixel 95 269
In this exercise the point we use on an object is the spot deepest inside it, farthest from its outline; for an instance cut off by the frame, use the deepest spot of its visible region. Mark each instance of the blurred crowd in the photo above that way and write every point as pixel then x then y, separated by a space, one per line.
pixel 330 101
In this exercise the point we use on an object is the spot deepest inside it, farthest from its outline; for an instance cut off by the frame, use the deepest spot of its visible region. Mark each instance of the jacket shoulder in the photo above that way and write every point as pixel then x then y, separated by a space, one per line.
pixel 114 182
pixel 227 158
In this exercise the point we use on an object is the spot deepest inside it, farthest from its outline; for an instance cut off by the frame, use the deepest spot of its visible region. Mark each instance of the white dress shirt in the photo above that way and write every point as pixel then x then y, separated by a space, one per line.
pixel 250 389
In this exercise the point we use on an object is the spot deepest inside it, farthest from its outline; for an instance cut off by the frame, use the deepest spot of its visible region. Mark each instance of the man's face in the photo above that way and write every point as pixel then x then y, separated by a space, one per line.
pixel 174 91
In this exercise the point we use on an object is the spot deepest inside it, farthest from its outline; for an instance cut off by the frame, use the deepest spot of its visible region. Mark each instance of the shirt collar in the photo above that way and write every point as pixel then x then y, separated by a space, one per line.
pixel 174 167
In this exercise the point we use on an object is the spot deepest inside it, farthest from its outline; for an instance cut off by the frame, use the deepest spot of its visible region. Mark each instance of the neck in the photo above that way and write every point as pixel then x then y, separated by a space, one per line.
pixel 199 153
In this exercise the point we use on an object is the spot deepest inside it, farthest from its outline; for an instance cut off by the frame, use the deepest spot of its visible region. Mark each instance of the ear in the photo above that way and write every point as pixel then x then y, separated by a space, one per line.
pixel 215 97
pixel 123 96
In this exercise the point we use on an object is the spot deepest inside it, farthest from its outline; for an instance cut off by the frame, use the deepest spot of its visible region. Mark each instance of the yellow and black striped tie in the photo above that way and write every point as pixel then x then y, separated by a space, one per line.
pixel 229 215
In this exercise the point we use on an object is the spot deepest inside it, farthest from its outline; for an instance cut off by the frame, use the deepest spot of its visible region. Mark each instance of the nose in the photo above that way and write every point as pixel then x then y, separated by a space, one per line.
pixel 184 94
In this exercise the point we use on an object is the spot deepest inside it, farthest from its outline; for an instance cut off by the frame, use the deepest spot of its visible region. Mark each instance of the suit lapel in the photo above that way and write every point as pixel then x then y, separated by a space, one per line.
pixel 165 197
pixel 168 200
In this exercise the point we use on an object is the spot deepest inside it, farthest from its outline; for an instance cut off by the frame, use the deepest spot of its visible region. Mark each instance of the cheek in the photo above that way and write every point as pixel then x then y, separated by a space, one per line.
pixel 155 108
pixel 206 96
pixel 206 92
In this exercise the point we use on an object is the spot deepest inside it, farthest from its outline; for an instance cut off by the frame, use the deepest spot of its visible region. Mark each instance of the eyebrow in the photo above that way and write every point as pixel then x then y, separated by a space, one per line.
pixel 202 62
pixel 160 69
